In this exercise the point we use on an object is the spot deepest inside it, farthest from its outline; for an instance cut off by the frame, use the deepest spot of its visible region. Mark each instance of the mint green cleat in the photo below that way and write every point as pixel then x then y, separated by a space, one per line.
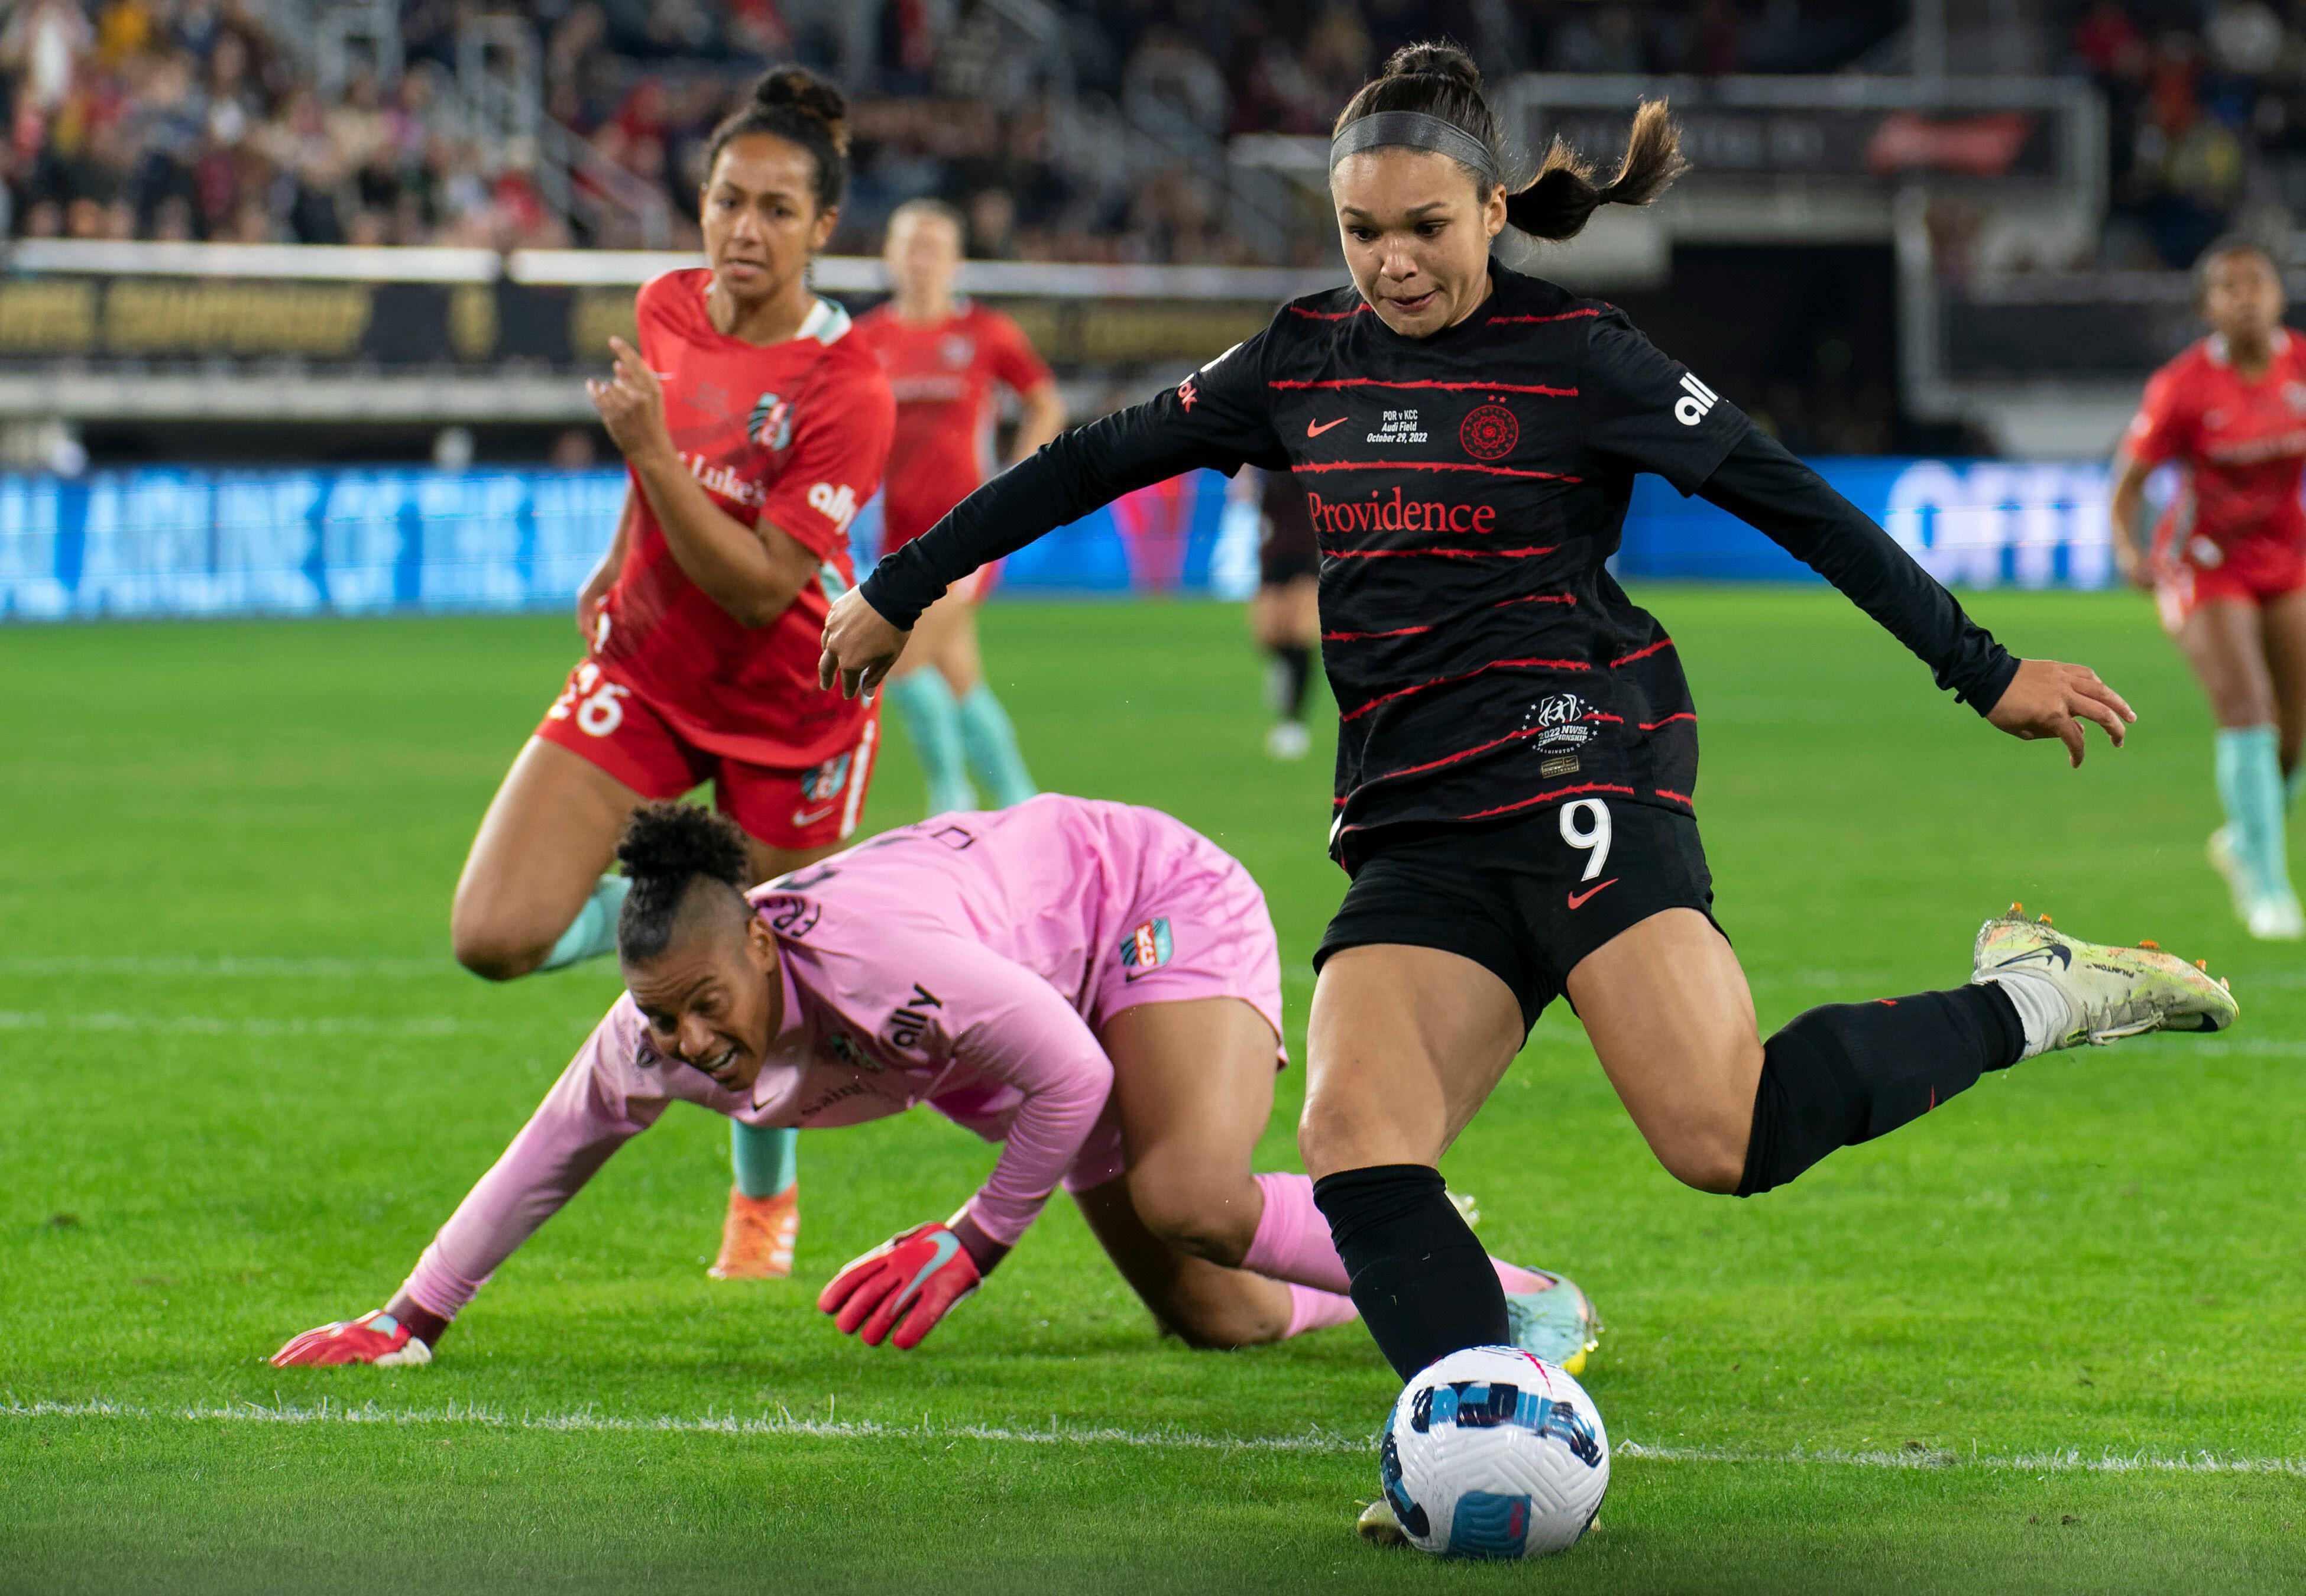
pixel 2110 991
pixel 1558 1325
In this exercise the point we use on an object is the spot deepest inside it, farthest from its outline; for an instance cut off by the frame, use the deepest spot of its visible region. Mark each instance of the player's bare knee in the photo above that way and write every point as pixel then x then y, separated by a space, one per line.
pixel 1191 1213
pixel 492 951
pixel 1711 1158
pixel 1211 1326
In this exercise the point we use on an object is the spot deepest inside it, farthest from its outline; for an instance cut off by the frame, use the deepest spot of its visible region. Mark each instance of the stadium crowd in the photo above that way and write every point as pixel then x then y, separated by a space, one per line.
pixel 2205 104
pixel 204 119
pixel 181 119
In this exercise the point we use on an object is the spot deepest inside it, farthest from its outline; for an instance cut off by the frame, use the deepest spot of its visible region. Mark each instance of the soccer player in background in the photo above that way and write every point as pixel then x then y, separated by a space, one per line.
pixel 1286 614
pixel 1095 986
pixel 2226 563
pixel 752 426
pixel 944 357
pixel 1517 746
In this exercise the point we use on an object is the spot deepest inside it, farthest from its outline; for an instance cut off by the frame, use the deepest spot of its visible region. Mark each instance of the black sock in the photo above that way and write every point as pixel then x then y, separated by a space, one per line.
pixel 1423 1285
pixel 1292 668
pixel 1848 1072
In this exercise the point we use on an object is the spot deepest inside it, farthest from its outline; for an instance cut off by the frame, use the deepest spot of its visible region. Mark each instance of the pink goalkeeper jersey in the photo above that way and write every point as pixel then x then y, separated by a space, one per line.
pixel 962 963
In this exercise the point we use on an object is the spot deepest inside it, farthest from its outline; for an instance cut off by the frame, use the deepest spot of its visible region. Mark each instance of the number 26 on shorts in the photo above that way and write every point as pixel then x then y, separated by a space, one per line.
pixel 597 703
pixel 1586 826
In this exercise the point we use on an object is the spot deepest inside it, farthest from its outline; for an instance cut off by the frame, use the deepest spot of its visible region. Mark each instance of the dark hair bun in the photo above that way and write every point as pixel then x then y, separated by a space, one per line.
pixel 802 90
pixel 1433 59
pixel 666 844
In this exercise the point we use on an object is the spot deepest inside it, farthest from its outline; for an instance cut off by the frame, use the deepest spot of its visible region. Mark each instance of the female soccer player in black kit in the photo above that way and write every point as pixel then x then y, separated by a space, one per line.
pixel 1517 751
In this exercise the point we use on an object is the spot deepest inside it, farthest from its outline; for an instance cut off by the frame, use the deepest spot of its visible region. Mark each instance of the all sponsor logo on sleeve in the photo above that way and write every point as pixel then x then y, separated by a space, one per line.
pixel 1146 949
pixel 1488 432
pixel 835 501
pixel 1696 400
pixel 910 1023
pixel 1187 393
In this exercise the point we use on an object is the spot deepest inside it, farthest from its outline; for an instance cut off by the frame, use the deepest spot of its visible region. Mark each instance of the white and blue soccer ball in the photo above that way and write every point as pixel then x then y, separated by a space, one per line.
pixel 1492 1452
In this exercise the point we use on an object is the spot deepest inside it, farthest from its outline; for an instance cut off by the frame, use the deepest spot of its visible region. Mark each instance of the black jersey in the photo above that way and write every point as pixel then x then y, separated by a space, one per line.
pixel 1467 489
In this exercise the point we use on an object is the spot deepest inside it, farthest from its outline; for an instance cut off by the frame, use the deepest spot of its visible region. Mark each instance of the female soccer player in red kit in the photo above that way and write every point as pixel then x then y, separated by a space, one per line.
pixel 752 426
pixel 2227 563
pixel 944 357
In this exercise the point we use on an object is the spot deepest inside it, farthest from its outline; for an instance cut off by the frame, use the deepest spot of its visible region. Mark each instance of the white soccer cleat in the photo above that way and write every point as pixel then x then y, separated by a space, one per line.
pixel 2228 864
pixel 2276 919
pixel 2110 991
pixel 1288 739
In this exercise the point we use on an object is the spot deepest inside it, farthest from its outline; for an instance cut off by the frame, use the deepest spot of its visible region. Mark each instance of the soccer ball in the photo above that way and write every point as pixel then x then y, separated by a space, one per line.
pixel 1491 1452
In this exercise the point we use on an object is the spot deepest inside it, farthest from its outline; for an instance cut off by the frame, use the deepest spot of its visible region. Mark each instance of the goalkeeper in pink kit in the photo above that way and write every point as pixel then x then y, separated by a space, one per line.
pixel 1093 986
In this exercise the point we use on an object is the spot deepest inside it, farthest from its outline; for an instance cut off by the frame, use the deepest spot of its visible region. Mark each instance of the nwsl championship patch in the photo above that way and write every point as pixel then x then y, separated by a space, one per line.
pixel 1146 949
pixel 825 780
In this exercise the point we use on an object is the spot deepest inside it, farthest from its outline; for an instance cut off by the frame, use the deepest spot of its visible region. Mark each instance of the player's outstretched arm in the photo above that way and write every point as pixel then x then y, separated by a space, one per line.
pixel 602 1101
pixel 1214 418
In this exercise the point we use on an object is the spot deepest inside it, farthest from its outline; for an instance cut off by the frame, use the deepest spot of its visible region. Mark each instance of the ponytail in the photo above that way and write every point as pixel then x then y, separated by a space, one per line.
pixel 1440 80
pixel 1561 199
pixel 667 849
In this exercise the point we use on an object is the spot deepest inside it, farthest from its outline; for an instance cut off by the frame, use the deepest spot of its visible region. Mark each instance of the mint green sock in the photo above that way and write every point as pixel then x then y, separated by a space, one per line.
pixel 767 1160
pixel 991 744
pixel 932 721
pixel 593 931
pixel 2249 785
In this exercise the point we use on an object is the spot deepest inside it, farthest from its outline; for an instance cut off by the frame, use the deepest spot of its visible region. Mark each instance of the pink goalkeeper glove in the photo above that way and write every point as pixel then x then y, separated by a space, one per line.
pixel 918 1277
pixel 377 1338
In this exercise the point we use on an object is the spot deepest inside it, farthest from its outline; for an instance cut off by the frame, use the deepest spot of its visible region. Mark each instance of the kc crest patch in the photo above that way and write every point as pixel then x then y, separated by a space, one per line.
pixel 770 425
pixel 1146 949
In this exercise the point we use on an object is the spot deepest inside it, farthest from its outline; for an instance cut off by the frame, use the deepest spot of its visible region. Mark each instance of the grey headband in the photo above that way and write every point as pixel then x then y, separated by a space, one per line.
pixel 1417 131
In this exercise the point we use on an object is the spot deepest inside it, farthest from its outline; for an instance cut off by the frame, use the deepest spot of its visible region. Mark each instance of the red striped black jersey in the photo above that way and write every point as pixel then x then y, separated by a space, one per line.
pixel 1467 490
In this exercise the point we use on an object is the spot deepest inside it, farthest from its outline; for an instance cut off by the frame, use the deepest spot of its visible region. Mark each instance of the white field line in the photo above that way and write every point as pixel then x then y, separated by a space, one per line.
pixel 220 966
pixel 253 1025
pixel 2064 1461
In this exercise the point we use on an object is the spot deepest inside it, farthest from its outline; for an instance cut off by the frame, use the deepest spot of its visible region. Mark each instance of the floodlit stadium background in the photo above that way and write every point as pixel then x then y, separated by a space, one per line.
pixel 297 294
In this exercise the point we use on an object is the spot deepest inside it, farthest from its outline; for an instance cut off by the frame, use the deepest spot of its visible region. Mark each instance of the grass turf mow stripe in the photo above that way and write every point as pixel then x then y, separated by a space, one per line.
pixel 584 1420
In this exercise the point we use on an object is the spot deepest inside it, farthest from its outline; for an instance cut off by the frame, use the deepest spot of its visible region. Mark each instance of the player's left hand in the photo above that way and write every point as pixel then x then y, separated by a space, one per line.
pixel 631 403
pixel 376 1338
pixel 860 646
pixel 919 1275
pixel 2049 699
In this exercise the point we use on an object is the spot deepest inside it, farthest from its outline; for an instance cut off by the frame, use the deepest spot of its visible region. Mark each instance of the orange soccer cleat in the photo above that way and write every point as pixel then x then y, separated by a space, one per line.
pixel 756 1242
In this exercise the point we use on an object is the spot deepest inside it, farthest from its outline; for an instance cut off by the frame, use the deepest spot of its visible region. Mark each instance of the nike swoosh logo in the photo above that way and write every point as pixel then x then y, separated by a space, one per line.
pixel 2056 953
pixel 1313 432
pixel 801 819
pixel 947 1244
pixel 1578 900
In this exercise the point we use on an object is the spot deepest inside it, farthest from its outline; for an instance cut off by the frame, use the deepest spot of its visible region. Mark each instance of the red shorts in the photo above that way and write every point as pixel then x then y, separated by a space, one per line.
pixel 608 724
pixel 2251 570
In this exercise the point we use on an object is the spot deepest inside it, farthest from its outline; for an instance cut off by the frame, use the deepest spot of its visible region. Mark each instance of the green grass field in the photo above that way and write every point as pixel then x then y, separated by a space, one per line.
pixel 2048 1339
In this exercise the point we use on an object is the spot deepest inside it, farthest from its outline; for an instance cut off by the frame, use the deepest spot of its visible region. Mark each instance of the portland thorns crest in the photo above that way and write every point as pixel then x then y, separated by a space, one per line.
pixel 1488 432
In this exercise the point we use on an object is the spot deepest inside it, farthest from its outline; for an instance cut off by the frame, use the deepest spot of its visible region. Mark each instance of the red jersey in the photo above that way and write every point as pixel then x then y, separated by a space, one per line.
pixel 2241 443
pixel 794 434
pixel 942 374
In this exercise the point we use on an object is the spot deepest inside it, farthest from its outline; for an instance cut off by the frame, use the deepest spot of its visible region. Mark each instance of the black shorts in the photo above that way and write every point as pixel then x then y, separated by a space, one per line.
pixel 1526 898
pixel 1288 552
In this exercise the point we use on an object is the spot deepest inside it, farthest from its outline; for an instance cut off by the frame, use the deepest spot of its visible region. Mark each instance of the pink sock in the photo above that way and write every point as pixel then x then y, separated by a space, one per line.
pixel 1515 1278
pixel 1311 1310
pixel 1293 1240
pixel 1292 1243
